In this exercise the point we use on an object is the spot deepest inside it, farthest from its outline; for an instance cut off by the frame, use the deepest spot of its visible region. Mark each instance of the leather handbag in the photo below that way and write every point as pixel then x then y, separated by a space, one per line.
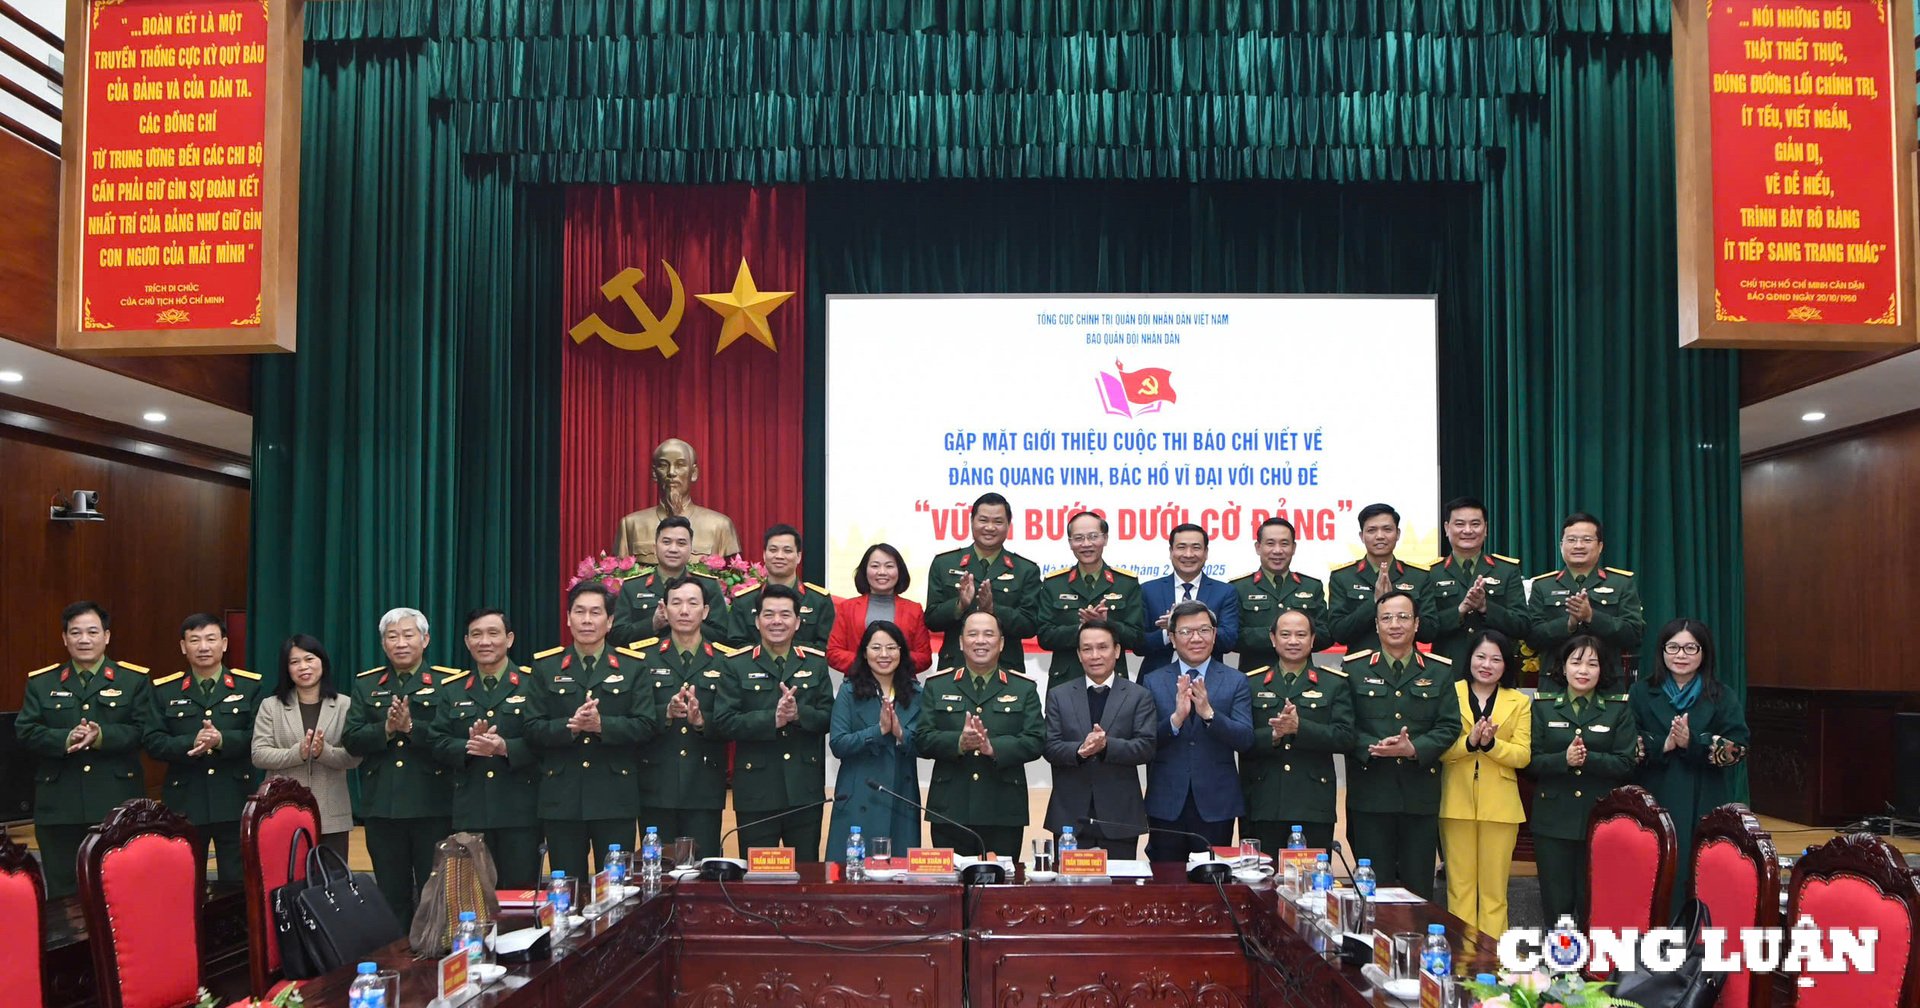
pixel 341 915
pixel 1690 986
pixel 296 959
pixel 463 879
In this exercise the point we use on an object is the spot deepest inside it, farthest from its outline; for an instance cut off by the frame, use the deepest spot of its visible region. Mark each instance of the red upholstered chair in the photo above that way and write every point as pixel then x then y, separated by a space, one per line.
pixel 22 893
pixel 267 824
pixel 1630 860
pixel 1858 881
pixel 1736 874
pixel 142 884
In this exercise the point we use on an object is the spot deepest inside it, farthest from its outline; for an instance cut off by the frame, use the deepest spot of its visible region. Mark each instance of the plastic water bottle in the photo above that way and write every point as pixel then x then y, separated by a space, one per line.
pixel 1438 957
pixel 1297 840
pixel 856 867
pixel 560 897
pixel 1322 873
pixel 367 991
pixel 650 856
pixel 468 937
pixel 1067 840
pixel 1363 878
pixel 619 864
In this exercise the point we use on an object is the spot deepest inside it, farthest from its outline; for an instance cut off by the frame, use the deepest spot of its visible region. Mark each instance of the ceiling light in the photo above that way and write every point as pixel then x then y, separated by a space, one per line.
pixel 1814 417
pixel 154 416
pixel 12 377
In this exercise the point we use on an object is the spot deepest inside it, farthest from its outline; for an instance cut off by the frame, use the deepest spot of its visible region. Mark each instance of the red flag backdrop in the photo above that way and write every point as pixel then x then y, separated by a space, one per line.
pixel 739 408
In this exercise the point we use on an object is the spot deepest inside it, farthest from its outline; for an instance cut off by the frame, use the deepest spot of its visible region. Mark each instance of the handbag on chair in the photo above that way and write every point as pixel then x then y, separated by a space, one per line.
pixel 296 958
pixel 1690 986
pixel 463 879
pixel 341 915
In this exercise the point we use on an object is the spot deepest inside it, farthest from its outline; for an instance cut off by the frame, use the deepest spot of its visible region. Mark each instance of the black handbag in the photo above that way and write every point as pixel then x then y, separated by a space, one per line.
pixel 341 916
pixel 296 961
pixel 1690 986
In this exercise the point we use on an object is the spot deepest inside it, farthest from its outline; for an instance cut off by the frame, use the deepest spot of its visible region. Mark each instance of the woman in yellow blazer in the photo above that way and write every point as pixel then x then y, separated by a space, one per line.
pixel 1480 813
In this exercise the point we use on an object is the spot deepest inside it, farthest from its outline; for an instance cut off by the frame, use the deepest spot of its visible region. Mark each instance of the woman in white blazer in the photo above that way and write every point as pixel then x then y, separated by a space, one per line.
pixel 297 734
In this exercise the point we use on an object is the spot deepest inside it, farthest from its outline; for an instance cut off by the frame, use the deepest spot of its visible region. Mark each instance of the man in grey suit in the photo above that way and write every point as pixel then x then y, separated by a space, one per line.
pixel 1205 716
pixel 1099 731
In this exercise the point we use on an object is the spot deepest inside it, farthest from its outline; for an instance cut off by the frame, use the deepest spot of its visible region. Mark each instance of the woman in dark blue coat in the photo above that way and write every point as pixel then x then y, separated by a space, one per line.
pixel 872 736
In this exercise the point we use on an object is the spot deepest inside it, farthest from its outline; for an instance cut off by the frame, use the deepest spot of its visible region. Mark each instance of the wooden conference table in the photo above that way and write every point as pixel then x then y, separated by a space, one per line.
pixel 921 945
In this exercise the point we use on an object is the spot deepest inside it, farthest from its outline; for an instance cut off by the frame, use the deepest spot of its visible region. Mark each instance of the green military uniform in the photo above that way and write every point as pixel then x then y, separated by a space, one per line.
pixel 643 593
pixel 776 767
pixel 73 791
pixel 495 796
pixel 1064 593
pixel 683 771
pixel 1393 803
pixel 1263 597
pixel 1291 780
pixel 1619 619
pixel 590 782
pixel 1016 600
pixel 1685 781
pixel 987 793
pixel 405 793
pixel 1350 603
pixel 210 788
pixel 1506 611
pixel 1563 795
pixel 816 617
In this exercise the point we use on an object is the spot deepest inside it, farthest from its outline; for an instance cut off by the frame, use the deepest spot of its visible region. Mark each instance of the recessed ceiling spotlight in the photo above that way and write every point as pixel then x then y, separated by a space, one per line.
pixel 154 416
pixel 12 377
pixel 1813 417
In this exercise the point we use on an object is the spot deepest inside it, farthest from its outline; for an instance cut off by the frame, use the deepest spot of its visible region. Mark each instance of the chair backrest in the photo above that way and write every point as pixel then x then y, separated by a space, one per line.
pixel 1630 858
pixel 1736 874
pixel 142 883
pixel 1858 881
pixel 22 894
pixel 267 824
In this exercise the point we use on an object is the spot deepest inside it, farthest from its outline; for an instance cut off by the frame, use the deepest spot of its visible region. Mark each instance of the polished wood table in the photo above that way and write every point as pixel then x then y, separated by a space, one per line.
pixel 1158 941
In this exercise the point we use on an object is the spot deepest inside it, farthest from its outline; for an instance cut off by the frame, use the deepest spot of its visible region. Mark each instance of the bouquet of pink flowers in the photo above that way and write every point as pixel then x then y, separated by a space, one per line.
pixel 613 571
pixel 734 572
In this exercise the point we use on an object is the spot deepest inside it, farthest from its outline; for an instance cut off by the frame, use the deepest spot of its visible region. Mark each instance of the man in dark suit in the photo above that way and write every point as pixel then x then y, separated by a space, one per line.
pixel 1205 716
pixel 1187 548
pixel 1098 731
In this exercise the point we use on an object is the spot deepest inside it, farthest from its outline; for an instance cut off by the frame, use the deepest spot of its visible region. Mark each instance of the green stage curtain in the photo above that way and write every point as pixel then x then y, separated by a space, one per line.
pixel 404 456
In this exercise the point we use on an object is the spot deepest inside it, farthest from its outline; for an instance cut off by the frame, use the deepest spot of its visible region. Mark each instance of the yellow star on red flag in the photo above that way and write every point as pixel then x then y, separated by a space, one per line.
pixel 745 310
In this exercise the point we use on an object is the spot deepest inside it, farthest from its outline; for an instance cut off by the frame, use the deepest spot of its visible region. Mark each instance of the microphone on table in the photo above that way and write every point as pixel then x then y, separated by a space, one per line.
pixel 1337 849
pixel 1206 872
pixel 726 869
pixel 980 873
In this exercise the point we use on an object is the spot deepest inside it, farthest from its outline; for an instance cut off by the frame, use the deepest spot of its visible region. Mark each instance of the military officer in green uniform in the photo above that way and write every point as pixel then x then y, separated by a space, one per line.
pixel 988 577
pixel 1302 716
pixel 1583 597
pixel 591 716
pixel 776 701
pixel 405 794
pixel 1087 591
pixel 1405 716
pixel 1584 745
pixel 481 738
pixel 683 771
pixel 84 720
pixel 780 553
pixel 981 726
pixel 636 612
pixel 1273 589
pixel 202 729
pixel 1353 589
pixel 1474 590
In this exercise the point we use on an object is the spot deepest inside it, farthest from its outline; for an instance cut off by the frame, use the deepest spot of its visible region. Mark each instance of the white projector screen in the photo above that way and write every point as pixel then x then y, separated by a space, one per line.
pixel 1152 410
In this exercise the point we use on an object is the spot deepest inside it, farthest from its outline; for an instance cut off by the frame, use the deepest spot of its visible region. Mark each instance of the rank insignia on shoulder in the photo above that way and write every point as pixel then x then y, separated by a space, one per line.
pixel 156 682
pixel 244 674
pixel 1258 671
pixel 548 653
pixel 371 671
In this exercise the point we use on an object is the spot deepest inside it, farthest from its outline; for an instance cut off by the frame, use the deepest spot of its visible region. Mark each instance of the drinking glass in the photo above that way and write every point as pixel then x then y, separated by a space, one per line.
pixel 1043 854
pixel 880 851
pixel 1407 947
pixel 685 851
pixel 1250 850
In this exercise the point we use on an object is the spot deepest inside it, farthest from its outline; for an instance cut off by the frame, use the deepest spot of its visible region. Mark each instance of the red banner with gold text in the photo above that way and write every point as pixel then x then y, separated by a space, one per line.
pixel 684 317
pixel 1806 162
